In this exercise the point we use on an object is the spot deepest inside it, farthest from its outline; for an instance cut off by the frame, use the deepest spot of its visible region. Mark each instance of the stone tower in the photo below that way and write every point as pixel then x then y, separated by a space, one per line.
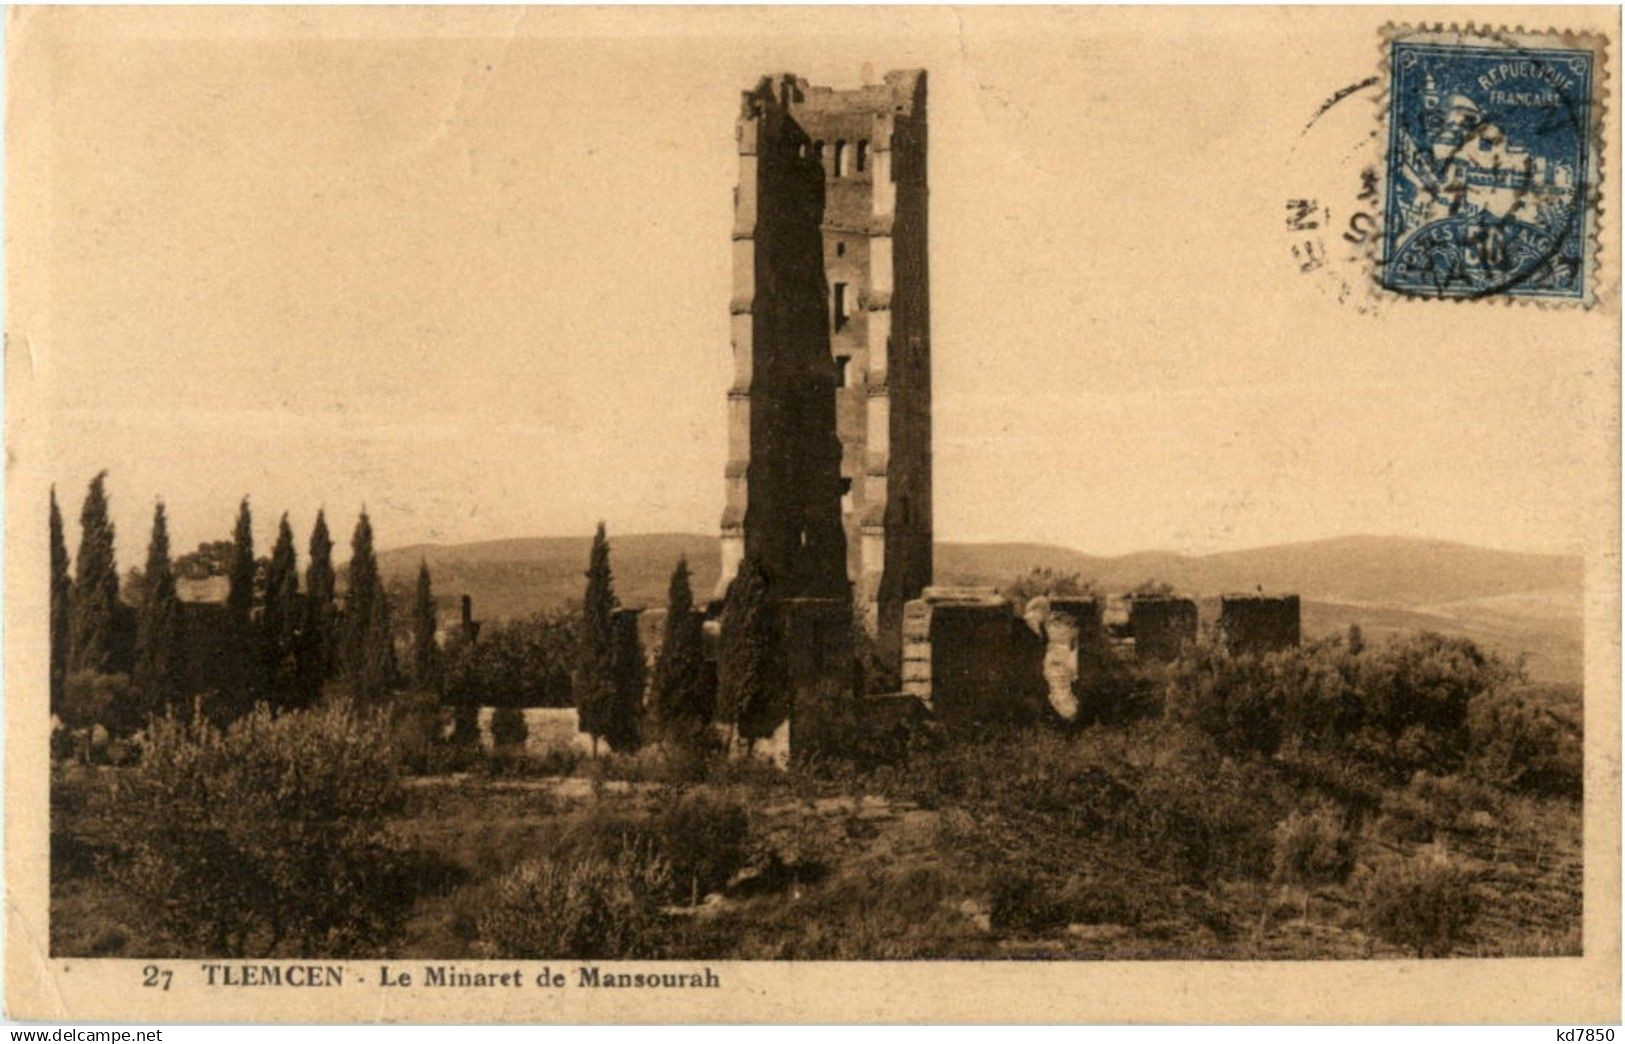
pixel 829 469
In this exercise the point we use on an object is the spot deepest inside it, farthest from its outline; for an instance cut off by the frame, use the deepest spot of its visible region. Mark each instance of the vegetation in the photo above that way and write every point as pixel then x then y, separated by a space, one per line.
pixel 425 652
pixel 594 908
pixel 321 609
pixel 267 837
pixel 94 598
pixel 156 675
pixel 369 648
pixel 521 663
pixel 684 695
pixel 240 595
pixel 749 687
pixel 1411 797
pixel 282 621
pixel 508 729
pixel 61 611
pixel 597 692
pixel 1044 581
pixel 1423 903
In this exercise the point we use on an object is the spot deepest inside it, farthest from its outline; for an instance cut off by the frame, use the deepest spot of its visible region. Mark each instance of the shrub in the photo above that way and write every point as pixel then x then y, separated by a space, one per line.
pixel 702 839
pixel 584 908
pixel 1111 691
pixel 1423 904
pixel 269 834
pixel 1233 699
pixel 1414 698
pixel 465 724
pixel 1313 848
pixel 1402 709
pixel 508 729
pixel 63 743
pixel 92 698
pixel 1334 776
pixel 418 731
pixel 1519 746
pixel 1430 805
pixel 1024 902
pixel 519 663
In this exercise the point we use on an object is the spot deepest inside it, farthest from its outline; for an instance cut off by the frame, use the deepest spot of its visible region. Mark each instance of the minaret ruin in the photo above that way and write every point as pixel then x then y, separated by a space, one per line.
pixel 829 464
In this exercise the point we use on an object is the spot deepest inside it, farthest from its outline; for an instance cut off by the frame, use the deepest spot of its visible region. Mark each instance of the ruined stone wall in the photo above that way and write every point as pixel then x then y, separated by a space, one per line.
pixel 1259 623
pixel 1162 627
pixel 1088 616
pixel 971 660
pixel 548 730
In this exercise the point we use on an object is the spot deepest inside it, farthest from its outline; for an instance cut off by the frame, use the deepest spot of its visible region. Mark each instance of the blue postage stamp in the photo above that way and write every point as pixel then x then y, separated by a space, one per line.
pixel 1492 165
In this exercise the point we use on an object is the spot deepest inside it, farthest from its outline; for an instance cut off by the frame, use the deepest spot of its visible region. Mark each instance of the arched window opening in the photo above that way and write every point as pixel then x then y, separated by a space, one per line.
pixel 842 159
pixel 863 156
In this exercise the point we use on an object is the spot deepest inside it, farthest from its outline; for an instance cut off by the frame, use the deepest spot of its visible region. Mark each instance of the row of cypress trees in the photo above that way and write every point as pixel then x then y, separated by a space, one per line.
pixel 685 698
pixel 285 653
pixel 300 639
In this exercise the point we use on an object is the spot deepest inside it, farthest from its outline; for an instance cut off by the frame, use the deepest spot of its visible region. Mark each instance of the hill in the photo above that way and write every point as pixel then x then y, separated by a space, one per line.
pixel 1515 603
pixel 1378 570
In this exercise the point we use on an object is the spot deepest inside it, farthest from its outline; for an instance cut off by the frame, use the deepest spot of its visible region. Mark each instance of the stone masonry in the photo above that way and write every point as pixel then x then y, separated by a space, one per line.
pixel 829 464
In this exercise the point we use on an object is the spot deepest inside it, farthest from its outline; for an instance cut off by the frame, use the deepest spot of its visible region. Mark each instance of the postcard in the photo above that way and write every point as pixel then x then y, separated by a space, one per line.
pixel 840 514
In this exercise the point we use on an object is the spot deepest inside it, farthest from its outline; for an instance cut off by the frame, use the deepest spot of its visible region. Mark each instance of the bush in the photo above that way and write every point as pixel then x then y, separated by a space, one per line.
pixel 1414 698
pixel 1402 709
pixel 1235 700
pixel 702 839
pixel 1423 904
pixel 91 698
pixel 64 744
pixel 1313 848
pixel 265 836
pixel 1430 805
pixel 419 731
pixel 582 908
pixel 465 724
pixel 1024 902
pixel 508 729
pixel 515 664
pixel 1519 746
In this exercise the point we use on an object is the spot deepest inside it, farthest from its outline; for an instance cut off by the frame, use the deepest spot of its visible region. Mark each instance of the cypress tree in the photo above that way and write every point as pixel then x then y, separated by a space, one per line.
pixel 156 674
pixel 248 678
pixel 240 595
pixel 281 623
pixel 631 675
pixel 94 595
pixel 747 657
pixel 369 656
pixel 320 610
pixel 61 585
pixel 683 703
pixel 593 679
pixel 377 675
pixel 425 653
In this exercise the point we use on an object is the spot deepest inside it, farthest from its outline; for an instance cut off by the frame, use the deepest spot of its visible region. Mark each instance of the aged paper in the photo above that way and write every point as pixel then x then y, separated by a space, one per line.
pixel 1147 481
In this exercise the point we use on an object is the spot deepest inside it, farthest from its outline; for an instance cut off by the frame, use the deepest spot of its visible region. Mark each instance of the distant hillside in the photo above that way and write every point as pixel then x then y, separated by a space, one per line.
pixel 1512 602
pixel 517 577
pixel 1379 570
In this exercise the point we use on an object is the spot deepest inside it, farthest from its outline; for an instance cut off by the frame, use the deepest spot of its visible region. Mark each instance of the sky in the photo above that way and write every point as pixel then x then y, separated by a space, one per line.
pixel 472 271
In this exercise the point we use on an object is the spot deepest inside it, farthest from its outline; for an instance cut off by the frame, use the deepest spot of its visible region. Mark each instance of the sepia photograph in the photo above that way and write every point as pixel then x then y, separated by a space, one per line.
pixel 534 514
